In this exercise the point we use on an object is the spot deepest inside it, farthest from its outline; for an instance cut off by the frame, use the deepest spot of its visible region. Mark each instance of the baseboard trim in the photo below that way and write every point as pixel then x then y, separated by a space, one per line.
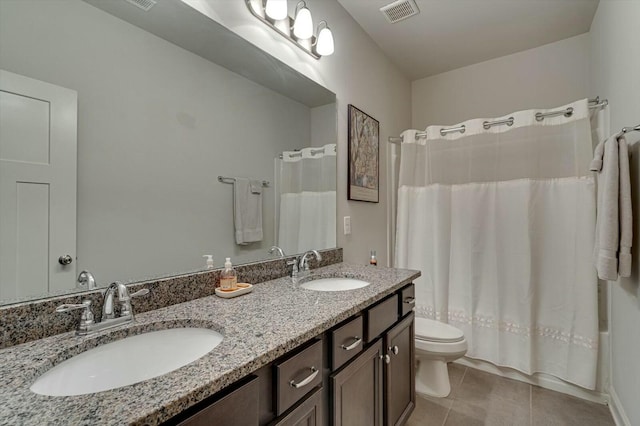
pixel 617 411
pixel 542 380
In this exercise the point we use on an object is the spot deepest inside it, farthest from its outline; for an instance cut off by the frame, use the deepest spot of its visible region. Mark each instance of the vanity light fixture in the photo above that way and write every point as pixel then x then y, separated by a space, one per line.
pixel 276 9
pixel 324 43
pixel 302 24
pixel 299 30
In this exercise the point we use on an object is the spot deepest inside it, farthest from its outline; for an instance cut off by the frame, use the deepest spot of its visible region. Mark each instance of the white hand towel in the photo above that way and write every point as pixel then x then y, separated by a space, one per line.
pixel 626 212
pixel 247 210
pixel 612 250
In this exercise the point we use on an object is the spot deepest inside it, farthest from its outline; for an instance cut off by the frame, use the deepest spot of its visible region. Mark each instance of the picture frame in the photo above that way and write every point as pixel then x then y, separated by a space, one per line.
pixel 363 156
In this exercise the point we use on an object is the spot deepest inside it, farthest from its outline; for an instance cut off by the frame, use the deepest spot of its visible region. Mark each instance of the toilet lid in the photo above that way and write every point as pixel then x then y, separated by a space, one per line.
pixel 436 331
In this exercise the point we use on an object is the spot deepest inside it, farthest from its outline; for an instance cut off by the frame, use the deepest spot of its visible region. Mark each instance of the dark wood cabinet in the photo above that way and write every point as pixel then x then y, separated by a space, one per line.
pixel 392 341
pixel 399 386
pixel 360 373
pixel 238 407
pixel 297 375
pixel 357 390
pixel 307 413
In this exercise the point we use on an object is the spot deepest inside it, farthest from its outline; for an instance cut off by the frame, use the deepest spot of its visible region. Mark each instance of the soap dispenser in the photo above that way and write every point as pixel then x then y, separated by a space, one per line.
pixel 228 277
pixel 209 258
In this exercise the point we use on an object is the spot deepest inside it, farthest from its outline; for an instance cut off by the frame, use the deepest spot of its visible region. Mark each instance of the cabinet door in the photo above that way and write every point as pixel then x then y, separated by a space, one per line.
pixel 308 413
pixel 357 390
pixel 237 408
pixel 399 389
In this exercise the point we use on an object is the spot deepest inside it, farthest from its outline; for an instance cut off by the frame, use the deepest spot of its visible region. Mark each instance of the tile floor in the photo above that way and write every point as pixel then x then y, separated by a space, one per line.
pixel 479 398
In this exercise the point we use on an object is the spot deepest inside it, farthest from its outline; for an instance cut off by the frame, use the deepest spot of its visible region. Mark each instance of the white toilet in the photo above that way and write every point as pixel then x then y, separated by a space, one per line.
pixel 436 344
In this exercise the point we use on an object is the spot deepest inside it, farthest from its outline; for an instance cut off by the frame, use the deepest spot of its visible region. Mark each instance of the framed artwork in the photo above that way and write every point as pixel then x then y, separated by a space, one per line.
pixel 364 157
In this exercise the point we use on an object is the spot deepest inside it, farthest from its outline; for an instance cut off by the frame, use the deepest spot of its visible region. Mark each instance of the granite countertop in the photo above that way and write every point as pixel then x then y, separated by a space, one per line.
pixel 258 328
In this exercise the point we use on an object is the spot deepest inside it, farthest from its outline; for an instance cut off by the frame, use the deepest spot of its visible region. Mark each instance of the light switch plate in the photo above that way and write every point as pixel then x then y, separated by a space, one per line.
pixel 347 225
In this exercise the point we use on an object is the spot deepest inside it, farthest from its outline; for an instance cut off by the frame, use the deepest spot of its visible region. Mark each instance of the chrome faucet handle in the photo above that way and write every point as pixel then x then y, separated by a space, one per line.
pixel 127 310
pixel 73 306
pixel 141 292
pixel 294 270
pixel 86 319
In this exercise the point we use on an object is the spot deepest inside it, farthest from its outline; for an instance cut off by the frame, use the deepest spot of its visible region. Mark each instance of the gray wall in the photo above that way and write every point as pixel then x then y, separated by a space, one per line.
pixel 544 77
pixel 360 74
pixel 615 73
pixel 157 124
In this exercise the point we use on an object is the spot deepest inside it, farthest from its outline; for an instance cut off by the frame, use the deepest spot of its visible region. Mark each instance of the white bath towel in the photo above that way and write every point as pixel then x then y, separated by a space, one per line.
pixel 247 210
pixel 612 251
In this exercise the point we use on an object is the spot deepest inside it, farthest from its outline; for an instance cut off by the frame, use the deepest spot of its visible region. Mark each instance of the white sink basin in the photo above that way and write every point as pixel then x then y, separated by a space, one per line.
pixel 334 284
pixel 127 361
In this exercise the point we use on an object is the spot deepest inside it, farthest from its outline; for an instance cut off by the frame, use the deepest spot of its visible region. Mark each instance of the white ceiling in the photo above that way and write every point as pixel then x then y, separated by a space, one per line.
pixel 449 34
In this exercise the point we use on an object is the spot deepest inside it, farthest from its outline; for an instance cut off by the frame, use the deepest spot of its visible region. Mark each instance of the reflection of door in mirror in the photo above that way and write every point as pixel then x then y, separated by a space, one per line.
pixel 306 186
pixel 37 186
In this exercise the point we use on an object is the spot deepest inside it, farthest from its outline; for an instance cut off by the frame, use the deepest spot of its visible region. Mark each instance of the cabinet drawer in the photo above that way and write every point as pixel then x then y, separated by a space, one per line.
pixel 237 408
pixel 346 342
pixel 381 316
pixel 407 299
pixel 297 376
pixel 307 413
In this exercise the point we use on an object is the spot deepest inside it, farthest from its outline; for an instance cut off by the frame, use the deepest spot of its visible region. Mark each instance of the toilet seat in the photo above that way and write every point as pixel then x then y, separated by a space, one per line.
pixel 436 331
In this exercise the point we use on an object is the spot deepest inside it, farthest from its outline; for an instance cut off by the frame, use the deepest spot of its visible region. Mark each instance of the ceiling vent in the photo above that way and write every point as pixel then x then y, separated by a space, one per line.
pixel 143 4
pixel 399 10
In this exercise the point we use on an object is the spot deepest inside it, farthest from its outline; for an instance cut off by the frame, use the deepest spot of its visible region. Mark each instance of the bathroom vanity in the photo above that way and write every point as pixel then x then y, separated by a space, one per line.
pixel 360 372
pixel 288 356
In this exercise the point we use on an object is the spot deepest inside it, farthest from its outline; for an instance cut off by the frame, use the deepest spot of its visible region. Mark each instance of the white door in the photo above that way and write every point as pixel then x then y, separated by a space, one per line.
pixel 38 141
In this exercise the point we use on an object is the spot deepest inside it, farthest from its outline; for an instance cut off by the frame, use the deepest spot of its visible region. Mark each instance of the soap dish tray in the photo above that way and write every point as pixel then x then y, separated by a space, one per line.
pixel 243 288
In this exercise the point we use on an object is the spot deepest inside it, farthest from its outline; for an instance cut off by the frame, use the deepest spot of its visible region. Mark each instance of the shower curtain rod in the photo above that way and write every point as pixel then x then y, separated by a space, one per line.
pixel 597 103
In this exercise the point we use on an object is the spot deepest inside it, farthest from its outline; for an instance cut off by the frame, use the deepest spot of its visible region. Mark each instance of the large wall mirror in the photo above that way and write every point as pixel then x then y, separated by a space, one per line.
pixel 115 124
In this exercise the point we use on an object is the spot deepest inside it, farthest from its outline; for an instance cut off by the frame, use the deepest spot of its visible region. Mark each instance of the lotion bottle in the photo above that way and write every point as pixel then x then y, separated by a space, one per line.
pixel 373 260
pixel 228 277
pixel 209 258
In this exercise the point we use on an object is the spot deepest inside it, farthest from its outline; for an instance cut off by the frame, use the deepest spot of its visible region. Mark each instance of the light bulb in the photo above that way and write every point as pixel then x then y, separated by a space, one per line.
pixel 276 9
pixel 303 25
pixel 324 46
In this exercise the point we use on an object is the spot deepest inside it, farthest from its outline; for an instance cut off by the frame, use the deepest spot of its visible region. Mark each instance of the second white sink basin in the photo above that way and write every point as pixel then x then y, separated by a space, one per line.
pixel 334 284
pixel 127 361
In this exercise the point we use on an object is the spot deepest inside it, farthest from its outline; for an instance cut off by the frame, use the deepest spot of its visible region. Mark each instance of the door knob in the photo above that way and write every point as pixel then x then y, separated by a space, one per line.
pixel 386 358
pixel 65 260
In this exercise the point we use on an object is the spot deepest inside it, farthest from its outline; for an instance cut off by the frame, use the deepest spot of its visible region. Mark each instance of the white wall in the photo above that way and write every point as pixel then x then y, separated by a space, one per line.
pixel 615 73
pixel 543 77
pixel 359 74
pixel 157 124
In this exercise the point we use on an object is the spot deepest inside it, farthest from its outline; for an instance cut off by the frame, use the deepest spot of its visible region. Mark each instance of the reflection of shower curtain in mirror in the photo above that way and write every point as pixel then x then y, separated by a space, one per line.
pixel 306 182
pixel 501 224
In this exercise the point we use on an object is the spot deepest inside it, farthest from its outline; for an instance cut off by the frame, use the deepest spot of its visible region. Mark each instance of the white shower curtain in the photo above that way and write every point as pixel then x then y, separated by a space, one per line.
pixel 501 223
pixel 307 207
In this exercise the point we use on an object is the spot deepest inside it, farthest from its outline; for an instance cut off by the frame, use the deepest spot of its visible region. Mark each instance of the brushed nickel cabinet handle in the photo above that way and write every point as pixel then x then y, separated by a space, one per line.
pixel 394 350
pixel 307 380
pixel 354 345
pixel 410 300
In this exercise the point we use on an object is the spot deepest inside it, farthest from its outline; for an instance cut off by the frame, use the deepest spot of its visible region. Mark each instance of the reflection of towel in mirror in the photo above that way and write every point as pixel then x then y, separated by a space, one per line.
pixel 247 210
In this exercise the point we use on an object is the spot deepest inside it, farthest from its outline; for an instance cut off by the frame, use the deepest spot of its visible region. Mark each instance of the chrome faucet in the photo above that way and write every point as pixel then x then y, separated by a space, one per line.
pixel 88 325
pixel 303 262
pixel 274 249
pixel 86 280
